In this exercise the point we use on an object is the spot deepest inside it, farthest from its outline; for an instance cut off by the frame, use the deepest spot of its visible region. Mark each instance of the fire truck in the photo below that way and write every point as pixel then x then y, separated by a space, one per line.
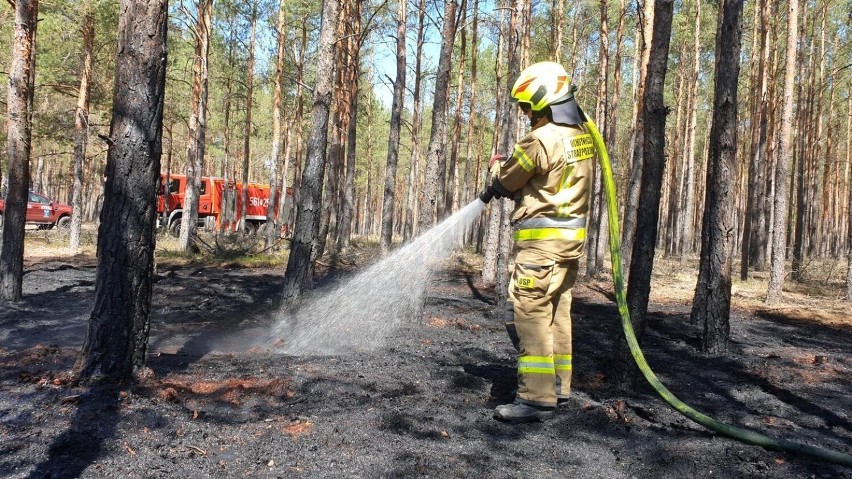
pixel 219 203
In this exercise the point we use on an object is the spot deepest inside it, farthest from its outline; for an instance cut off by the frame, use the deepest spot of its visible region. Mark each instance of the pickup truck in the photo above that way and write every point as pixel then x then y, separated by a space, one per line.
pixel 44 212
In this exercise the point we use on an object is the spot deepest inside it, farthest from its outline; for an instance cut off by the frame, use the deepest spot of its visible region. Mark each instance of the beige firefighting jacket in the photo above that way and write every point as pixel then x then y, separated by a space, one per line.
pixel 550 174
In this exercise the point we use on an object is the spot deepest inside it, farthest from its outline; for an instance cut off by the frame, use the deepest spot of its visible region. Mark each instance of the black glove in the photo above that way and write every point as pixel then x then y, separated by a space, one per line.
pixel 488 193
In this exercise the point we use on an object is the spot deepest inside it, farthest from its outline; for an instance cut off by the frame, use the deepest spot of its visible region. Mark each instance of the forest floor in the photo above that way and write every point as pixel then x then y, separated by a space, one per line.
pixel 421 405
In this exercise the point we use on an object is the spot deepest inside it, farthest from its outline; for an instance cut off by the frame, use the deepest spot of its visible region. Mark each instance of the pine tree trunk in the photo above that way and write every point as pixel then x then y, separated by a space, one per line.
pixel 81 128
pixel 594 258
pixel 19 102
pixel 451 203
pixel 654 120
pixel 779 227
pixel 431 206
pixel 243 225
pixel 197 127
pixel 299 274
pixel 470 184
pixel 271 229
pixel 414 189
pixel 395 127
pixel 117 336
pixel 347 203
pixel 645 20
pixel 712 303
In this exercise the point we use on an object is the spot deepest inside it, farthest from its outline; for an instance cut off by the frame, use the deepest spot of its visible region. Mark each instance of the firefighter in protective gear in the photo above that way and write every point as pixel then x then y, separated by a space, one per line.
pixel 549 175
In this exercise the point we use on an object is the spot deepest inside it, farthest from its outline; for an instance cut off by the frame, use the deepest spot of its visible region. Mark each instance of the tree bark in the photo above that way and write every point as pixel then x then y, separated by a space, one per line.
pixel 197 127
pixel 471 183
pixel 248 124
pixel 19 103
pixel 299 274
pixel 395 126
pixel 414 189
pixel 645 20
pixel 654 119
pixel 431 206
pixel 712 302
pixel 688 219
pixel 117 337
pixel 779 228
pixel 848 212
pixel 756 171
pixel 594 258
pixel 451 202
pixel 272 228
pixel 81 127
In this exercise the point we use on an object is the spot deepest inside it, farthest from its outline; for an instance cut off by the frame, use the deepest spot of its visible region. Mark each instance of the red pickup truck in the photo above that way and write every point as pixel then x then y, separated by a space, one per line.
pixel 44 212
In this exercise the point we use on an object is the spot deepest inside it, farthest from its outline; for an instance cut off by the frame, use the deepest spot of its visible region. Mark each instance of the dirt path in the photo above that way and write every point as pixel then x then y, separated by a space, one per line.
pixel 418 407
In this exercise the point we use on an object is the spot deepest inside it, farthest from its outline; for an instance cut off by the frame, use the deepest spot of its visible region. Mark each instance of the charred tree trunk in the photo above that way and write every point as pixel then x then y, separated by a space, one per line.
pixel 117 336
pixel 197 127
pixel 19 104
pixel 299 274
pixel 469 155
pixel 436 157
pixel 654 119
pixel 782 168
pixel 81 129
pixel 712 303
pixel 395 126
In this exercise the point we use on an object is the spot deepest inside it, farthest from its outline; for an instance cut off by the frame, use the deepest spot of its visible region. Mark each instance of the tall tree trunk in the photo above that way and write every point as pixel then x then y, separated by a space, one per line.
pixel 779 227
pixel 81 127
pixel 712 302
pixel 117 336
pixel 557 30
pixel 654 121
pixel 19 103
pixel 848 213
pixel 344 230
pixel 414 189
pixel 495 212
pixel 431 205
pixel 452 194
pixel 645 20
pixel 469 155
pixel 197 127
pixel 689 172
pixel 752 240
pixel 299 274
pixel 516 46
pixel 248 125
pixel 594 258
pixel 395 126
pixel 272 229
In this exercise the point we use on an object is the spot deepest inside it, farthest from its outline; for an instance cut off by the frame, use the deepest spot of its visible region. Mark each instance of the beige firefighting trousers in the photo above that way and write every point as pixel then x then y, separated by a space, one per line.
pixel 540 293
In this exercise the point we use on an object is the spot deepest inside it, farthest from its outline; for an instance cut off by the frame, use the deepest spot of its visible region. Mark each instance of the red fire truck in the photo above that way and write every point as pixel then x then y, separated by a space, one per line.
pixel 219 203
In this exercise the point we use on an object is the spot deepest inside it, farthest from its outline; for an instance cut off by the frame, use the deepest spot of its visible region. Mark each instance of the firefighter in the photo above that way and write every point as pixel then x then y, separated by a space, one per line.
pixel 548 174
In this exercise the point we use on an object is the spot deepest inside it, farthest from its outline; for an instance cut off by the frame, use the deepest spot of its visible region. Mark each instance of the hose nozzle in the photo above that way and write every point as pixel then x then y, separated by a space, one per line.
pixel 487 194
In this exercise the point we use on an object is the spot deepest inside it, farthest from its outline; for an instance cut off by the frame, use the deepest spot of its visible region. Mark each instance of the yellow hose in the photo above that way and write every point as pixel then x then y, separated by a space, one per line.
pixel 741 434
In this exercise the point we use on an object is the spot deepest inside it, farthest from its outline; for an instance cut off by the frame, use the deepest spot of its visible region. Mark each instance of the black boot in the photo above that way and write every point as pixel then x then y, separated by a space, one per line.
pixel 522 412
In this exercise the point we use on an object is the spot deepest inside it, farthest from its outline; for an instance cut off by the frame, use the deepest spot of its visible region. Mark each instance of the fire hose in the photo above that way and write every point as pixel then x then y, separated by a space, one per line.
pixel 729 430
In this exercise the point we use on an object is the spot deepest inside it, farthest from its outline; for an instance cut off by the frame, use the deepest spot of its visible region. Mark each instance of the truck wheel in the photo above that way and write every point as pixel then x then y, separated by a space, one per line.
pixel 249 229
pixel 64 223
pixel 174 228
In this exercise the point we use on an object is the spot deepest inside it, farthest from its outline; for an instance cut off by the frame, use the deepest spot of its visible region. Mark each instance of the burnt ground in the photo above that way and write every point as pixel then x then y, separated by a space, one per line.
pixel 418 407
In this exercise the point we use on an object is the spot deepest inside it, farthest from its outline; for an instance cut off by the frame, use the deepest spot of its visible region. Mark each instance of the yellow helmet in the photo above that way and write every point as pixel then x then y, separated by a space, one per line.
pixel 542 84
